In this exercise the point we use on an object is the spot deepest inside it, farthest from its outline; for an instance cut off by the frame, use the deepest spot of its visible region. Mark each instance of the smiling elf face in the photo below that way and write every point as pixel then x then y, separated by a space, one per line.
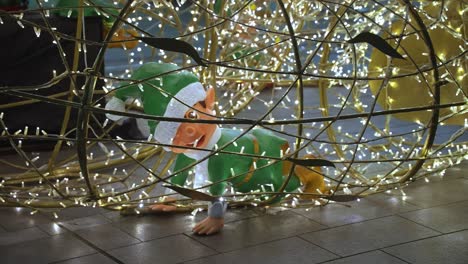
pixel 196 135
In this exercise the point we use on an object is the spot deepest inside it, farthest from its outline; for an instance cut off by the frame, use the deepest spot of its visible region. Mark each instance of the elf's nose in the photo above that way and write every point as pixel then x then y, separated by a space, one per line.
pixel 190 131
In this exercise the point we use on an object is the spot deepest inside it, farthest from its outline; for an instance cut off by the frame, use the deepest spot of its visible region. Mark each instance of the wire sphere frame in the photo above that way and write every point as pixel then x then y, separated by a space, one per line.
pixel 243 68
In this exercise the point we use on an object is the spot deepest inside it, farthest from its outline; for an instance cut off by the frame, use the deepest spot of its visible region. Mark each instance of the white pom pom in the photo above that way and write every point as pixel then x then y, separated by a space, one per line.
pixel 115 104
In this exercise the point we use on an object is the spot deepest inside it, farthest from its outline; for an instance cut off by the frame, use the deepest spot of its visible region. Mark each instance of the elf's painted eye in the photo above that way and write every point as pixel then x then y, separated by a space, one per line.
pixel 191 114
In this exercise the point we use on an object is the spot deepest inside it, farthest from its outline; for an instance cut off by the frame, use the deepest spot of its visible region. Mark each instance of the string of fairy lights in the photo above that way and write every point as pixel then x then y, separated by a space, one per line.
pixel 344 114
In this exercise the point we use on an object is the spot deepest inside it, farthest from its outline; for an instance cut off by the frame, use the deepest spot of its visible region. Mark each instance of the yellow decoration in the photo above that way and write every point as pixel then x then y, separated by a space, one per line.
pixel 415 90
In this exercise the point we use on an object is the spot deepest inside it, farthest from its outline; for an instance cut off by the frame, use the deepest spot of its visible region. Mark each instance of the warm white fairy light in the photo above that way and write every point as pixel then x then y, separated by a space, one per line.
pixel 388 145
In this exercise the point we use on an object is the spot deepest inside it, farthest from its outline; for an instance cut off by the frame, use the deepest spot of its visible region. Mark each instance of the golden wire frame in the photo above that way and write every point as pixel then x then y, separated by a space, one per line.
pixel 286 48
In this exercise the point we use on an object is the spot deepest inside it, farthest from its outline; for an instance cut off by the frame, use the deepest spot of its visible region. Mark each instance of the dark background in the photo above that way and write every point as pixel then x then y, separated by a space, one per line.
pixel 27 60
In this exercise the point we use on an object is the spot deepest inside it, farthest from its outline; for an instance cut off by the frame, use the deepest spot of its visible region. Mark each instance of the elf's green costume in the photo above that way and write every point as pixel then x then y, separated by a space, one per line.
pixel 168 92
pixel 109 12
pixel 68 8
pixel 245 173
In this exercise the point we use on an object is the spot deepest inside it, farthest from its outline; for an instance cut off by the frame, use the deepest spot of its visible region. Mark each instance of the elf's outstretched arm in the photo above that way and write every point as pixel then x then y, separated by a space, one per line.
pixel 181 162
pixel 217 209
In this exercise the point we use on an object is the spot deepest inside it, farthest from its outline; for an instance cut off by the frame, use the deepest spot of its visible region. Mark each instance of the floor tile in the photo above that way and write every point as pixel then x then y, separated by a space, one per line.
pixel 437 193
pixel 173 249
pixel 160 225
pixel 13 219
pixel 395 203
pixel 369 257
pixel 450 248
pixel 444 218
pixel 452 173
pixel 256 230
pixel 459 170
pixel 84 222
pixel 78 212
pixel 290 250
pixel 52 229
pixel 236 214
pixel 112 215
pixel 232 214
pixel 90 259
pixel 9 238
pixel 107 237
pixel 367 208
pixel 369 235
pixel 45 250
pixel 150 227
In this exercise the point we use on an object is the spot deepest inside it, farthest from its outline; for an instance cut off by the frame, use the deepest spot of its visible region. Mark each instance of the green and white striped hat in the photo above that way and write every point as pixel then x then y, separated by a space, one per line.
pixel 166 92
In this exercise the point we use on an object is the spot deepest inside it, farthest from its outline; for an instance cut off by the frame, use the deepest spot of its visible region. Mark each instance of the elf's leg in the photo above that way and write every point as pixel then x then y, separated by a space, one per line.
pixel 311 178
pixel 279 178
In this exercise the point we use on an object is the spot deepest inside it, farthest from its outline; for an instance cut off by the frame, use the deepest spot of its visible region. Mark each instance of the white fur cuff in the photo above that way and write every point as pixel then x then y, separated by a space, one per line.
pixel 115 104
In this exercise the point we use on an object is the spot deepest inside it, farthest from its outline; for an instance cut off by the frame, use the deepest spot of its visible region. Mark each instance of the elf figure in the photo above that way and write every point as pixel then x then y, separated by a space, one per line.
pixel 123 38
pixel 179 94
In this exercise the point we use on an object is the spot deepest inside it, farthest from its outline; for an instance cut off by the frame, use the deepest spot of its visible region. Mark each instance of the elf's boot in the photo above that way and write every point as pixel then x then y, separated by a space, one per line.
pixel 311 178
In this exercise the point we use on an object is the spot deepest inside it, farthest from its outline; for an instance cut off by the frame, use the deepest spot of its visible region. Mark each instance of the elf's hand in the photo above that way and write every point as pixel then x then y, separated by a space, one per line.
pixel 215 220
pixel 164 207
pixel 209 226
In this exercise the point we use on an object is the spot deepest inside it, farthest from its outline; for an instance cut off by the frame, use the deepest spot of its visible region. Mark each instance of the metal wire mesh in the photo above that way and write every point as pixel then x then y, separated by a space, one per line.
pixel 286 66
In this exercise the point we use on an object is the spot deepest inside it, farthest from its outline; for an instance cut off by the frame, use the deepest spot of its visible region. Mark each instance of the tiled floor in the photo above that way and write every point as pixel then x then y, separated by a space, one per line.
pixel 429 227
